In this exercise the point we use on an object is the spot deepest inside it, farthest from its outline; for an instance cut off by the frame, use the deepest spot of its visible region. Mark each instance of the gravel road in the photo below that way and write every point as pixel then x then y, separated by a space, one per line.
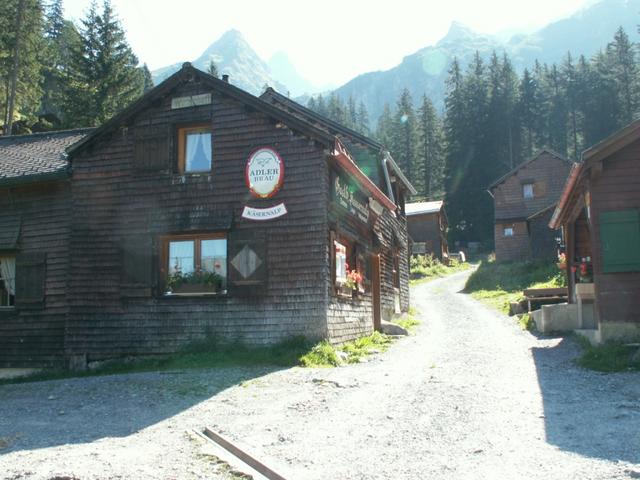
pixel 470 396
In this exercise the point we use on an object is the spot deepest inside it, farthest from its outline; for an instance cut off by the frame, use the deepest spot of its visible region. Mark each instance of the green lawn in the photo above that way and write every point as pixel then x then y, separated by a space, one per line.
pixel 498 284
pixel 425 267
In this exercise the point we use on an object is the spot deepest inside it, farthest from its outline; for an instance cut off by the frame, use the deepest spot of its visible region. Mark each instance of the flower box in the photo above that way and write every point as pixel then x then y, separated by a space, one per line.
pixel 194 288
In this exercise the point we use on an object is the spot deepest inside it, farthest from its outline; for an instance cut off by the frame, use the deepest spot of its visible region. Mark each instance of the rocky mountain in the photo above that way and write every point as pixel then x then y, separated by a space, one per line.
pixel 425 71
pixel 233 56
pixel 284 72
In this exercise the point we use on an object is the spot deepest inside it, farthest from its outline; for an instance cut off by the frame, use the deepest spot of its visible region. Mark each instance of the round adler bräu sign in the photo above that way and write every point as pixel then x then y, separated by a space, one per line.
pixel 264 173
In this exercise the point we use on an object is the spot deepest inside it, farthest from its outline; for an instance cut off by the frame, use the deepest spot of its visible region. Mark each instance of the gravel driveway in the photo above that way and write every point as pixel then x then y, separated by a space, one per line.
pixel 470 396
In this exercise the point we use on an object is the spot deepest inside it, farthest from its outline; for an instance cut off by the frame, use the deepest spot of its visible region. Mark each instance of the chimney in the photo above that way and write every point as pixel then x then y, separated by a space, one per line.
pixel 225 78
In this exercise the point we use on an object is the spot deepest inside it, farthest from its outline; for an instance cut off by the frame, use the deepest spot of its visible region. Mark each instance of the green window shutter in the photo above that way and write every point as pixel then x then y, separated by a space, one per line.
pixel 30 280
pixel 620 240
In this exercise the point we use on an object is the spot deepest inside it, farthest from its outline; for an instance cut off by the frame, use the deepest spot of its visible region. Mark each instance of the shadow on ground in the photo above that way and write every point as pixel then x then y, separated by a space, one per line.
pixel 589 413
pixel 80 410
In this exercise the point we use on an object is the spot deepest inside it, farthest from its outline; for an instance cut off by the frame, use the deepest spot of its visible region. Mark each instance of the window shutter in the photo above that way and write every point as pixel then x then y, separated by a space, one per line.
pixel 620 240
pixel 247 262
pixel 137 266
pixel 151 148
pixel 539 189
pixel 30 280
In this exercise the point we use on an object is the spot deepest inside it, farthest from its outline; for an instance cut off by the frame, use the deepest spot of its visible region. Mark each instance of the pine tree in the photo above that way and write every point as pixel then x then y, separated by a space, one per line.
pixel 21 40
pixel 352 114
pixel 363 119
pixel 105 77
pixel 384 126
pixel 148 79
pixel 572 90
pixel 61 37
pixel 430 149
pixel 404 135
pixel 212 69
pixel 527 111
pixel 625 70
pixel 557 119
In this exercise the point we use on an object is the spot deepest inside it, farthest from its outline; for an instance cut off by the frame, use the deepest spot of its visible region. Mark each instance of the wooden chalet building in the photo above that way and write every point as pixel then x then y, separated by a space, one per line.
pixel 599 212
pixel 200 211
pixel 427 224
pixel 524 200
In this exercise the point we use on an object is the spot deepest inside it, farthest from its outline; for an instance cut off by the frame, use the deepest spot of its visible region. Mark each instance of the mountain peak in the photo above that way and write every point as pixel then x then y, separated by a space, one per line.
pixel 231 35
pixel 458 30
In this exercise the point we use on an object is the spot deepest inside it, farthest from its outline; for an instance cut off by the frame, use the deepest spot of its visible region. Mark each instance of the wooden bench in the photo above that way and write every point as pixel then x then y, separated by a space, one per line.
pixel 545 295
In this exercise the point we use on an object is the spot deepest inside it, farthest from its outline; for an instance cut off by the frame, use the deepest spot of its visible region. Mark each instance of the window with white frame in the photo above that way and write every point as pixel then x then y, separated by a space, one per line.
pixel 7 281
pixel 508 231
pixel 527 190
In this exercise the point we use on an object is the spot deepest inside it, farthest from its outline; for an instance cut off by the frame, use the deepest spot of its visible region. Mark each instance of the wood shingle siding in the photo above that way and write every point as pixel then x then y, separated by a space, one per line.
pixel 292 303
pixel 32 333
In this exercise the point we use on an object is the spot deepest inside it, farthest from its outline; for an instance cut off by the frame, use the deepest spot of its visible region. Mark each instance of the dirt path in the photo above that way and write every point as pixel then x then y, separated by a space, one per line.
pixel 469 396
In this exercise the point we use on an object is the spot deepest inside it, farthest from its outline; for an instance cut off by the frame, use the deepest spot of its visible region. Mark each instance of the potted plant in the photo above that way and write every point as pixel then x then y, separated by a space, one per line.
pixel 562 261
pixel 198 281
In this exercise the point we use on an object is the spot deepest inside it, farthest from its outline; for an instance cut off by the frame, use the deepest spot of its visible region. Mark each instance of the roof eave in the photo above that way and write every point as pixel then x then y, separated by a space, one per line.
pixel 35 178
pixel 343 158
pixel 398 172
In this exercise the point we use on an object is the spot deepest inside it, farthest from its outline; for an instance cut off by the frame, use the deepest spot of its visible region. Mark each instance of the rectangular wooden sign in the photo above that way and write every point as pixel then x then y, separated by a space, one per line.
pixel 349 198
pixel 191 101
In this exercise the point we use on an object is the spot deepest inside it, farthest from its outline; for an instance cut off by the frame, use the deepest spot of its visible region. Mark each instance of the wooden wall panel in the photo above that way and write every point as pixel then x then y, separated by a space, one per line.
pixel 112 200
pixel 35 337
pixel 616 187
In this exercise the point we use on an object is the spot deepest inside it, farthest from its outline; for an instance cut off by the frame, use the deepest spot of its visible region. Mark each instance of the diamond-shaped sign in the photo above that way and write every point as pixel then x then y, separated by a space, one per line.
pixel 246 262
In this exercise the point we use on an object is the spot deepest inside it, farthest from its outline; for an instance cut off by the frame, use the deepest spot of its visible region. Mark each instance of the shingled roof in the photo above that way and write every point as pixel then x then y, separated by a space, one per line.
pixel 36 157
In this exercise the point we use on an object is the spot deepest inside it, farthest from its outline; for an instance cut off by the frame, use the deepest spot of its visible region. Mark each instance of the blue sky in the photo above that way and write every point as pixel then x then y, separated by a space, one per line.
pixel 329 42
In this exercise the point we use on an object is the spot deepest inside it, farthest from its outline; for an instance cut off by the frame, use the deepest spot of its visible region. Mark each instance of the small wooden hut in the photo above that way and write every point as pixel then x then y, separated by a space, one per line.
pixel 524 199
pixel 427 223
pixel 599 213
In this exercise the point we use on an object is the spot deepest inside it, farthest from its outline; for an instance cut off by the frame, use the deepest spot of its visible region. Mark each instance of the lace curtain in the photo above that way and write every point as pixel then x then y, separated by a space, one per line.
pixel 8 273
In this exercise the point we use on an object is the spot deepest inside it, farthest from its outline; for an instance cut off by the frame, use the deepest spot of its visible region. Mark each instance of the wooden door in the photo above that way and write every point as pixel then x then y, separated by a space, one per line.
pixel 375 291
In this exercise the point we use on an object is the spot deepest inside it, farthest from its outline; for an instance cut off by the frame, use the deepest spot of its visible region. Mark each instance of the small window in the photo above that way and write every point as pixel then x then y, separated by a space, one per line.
pixel 396 268
pixel 350 269
pixel 195 264
pixel 7 281
pixel 194 149
pixel 508 231
pixel 527 190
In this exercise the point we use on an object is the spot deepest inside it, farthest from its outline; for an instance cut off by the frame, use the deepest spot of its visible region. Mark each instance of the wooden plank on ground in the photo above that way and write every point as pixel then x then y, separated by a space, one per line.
pixel 545 292
pixel 243 455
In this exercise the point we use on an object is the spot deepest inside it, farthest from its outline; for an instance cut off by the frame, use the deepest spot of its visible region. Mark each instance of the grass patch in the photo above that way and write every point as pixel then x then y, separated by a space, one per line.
pixel 210 354
pixel 426 267
pixel 526 322
pixel 409 322
pixel 608 357
pixel 321 355
pixel 498 284
pixel 206 354
pixel 326 355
